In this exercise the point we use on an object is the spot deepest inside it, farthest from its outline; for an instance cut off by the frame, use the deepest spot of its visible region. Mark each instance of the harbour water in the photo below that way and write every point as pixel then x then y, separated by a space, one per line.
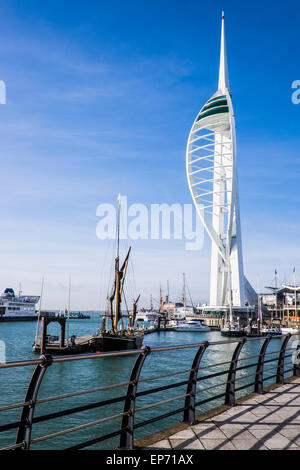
pixel 68 377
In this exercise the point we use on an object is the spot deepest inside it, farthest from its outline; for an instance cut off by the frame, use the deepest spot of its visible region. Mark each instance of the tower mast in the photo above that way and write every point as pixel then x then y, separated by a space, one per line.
pixel 223 84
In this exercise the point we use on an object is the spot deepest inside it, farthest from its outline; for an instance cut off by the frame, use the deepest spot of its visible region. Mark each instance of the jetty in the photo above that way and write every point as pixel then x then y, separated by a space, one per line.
pixel 58 344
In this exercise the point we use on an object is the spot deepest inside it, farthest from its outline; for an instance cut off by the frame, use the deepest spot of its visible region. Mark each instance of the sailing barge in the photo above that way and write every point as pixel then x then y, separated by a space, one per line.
pixel 104 340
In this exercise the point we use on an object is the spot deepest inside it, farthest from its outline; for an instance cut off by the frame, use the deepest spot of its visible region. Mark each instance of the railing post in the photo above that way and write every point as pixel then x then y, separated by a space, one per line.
pixel 24 430
pixel 259 377
pixel 230 387
pixel 189 412
pixel 126 437
pixel 296 359
pixel 280 366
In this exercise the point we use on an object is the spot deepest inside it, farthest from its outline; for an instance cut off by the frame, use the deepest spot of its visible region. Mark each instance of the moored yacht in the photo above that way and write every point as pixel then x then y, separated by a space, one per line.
pixel 290 329
pixel 195 325
pixel 271 330
pixel 232 328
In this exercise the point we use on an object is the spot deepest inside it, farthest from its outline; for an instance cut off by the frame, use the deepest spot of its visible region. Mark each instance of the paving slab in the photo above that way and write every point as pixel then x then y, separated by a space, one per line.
pixel 278 442
pixel 178 444
pixel 185 434
pixel 217 444
pixel 242 444
pixel 164 444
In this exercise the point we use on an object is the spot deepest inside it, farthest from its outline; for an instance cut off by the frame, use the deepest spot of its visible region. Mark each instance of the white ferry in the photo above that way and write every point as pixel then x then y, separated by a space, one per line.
pixel 17 308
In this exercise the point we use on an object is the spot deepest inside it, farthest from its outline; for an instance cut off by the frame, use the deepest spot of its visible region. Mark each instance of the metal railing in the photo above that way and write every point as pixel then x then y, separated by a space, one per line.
pixel 189 401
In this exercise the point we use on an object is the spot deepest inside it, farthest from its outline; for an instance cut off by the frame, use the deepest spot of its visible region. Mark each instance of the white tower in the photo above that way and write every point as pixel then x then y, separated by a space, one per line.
pixel 212 177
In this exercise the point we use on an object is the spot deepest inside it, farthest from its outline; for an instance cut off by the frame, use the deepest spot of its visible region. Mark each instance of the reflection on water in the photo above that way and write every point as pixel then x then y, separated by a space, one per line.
pixel 82 375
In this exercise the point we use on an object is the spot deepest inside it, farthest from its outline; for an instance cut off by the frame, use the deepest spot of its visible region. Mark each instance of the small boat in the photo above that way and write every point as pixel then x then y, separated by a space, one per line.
pixel 290 329
pixel 194 325
pixel 173 323
pixel 273 331
pixel 182 310
pixel 232 328
pixel 79 316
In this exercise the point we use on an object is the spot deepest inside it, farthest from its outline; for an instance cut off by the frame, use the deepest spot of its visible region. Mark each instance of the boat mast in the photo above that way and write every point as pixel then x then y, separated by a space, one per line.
pixel 39 312
pixel 119 283
pixel 260 316
pixel 119 278
pixel 69 304
pixel 188 289
pixel 160 299
pixel 117 296
pixel 134 310
pixel 230 306
pixel 230 287
pixel 276 300
pixel 184 293
pixel 295 292
pixel 117 275
pixel 168 298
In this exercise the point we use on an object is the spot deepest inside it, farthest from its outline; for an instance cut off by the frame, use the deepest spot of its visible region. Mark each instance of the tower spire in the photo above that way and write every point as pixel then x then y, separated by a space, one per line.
pixel 223 70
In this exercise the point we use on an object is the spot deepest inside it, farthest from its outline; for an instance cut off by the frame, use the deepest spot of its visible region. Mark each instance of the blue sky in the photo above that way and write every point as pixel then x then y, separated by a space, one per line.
pixel 100 100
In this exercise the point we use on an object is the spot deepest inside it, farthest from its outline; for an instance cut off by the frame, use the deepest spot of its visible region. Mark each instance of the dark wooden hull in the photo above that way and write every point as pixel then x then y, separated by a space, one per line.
pixel 255 334
pixel 101 343
pixel 232 333
pixel 20 318
pixel 107 342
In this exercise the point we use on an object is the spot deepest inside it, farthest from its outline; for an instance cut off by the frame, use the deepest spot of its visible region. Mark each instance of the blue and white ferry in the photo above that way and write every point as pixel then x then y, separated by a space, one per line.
pixel 17 307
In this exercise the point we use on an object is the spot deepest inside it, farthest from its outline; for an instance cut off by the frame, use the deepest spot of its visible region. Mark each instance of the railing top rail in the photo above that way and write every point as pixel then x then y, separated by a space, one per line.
pixel 130 352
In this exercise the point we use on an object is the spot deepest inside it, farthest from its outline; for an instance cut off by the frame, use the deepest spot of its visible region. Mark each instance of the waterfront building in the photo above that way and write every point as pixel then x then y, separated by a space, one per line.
pixel 283 304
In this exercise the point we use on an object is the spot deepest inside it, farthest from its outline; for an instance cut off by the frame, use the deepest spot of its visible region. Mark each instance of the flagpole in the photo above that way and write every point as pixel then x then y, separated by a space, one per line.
pixel 295 292
pixel 69 304
pixel 276 306
pixel 39 312
pixel 119 210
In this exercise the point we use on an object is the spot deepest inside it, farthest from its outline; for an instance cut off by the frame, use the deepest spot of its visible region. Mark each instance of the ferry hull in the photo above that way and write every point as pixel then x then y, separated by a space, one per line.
pixel 20 318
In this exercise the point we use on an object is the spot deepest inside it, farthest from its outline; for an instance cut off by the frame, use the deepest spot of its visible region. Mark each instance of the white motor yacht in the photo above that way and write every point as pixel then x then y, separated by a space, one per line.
pixel 290 329
pixel 271 330
pixel 194 325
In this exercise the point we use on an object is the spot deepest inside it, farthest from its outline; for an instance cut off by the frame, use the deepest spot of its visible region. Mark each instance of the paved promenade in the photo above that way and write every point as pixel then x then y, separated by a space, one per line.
pixel 261 422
